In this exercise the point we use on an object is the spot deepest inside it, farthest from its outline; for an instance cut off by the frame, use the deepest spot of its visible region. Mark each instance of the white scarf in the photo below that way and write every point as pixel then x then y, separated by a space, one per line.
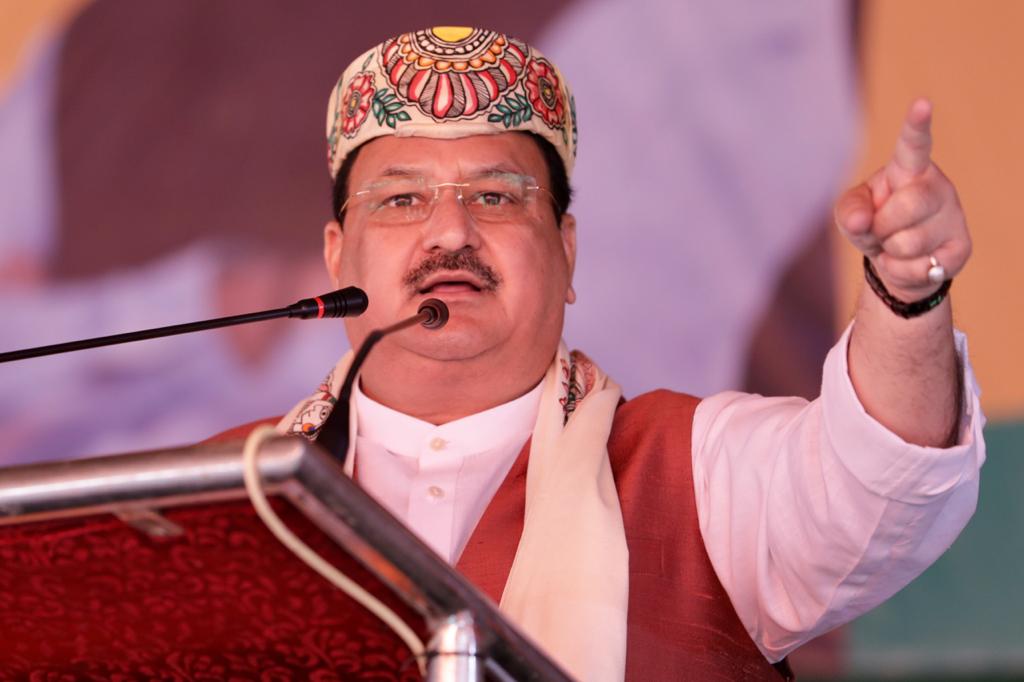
pixel 568 588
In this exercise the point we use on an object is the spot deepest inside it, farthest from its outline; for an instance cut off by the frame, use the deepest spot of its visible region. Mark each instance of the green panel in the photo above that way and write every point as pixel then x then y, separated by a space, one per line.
pixel 965 615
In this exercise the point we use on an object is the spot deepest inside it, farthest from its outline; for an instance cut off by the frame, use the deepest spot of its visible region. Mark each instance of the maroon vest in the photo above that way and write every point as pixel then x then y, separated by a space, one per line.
pixel 681 624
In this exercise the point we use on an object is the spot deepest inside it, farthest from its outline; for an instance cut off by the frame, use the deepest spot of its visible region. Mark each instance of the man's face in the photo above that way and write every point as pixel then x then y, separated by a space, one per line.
pixel 505 282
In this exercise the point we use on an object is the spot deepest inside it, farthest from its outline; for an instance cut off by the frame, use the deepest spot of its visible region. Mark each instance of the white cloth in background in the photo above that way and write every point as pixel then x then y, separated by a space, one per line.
pixel 132 397
pixel 713 139
pixel 811 513
pixel 146 395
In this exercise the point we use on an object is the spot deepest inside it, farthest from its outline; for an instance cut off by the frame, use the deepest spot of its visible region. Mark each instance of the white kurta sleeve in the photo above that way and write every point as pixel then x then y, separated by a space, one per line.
pixel 814 513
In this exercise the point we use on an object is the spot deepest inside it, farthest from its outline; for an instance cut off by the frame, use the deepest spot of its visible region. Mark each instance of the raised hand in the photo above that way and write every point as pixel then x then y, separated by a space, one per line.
pixel 907 214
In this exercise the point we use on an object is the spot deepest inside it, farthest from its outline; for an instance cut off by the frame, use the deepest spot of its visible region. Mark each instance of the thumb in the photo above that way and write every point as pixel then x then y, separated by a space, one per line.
pixel 854 215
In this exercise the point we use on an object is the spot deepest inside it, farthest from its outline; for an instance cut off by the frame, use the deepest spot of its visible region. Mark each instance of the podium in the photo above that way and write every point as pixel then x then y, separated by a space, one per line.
pixel 154 565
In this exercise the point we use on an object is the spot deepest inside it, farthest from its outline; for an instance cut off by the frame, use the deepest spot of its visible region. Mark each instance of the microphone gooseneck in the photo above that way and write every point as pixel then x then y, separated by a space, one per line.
pixel 334 433
pixel 347 302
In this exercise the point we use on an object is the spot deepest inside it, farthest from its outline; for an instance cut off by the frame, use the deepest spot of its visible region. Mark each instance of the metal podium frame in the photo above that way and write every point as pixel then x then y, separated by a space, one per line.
pixel 466 628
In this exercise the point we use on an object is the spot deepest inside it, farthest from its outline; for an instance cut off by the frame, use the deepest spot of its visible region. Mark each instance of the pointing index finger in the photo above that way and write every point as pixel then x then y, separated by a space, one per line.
pixel 914 146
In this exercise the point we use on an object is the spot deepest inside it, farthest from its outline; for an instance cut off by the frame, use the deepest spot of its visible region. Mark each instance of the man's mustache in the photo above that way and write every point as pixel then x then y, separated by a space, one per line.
pixel 463 259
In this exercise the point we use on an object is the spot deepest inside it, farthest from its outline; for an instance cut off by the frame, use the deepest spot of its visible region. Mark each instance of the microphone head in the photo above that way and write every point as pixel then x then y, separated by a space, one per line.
pixel 347 302
pixel 438 313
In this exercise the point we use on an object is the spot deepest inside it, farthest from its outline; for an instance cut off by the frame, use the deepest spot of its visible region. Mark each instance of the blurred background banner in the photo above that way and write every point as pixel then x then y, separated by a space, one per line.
pixel 164 161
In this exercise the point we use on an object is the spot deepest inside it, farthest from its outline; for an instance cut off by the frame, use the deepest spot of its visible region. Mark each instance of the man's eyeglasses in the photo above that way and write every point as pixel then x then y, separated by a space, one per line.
pixel 495 197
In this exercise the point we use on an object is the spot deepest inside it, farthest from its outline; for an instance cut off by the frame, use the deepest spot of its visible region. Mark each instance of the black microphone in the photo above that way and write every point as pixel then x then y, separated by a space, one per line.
pixel 436 312
pixel 333 434
pixel 347 302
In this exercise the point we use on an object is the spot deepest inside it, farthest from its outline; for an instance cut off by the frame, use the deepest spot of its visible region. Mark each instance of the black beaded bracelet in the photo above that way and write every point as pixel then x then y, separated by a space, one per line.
pixel 906 310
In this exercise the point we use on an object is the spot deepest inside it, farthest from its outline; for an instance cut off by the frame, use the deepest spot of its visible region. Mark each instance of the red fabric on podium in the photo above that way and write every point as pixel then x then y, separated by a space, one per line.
pixel 93 598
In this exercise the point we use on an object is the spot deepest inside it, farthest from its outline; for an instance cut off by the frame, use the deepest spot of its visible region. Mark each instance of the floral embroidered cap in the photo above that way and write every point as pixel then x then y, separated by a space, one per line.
pixel 449 82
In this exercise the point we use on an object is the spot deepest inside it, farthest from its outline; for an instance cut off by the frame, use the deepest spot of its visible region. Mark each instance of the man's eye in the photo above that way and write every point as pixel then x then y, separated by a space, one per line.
pixel 493 199
pixel 401 200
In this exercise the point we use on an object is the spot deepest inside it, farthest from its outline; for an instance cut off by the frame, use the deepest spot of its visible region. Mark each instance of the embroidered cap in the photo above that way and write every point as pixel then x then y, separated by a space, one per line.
pixel 449 82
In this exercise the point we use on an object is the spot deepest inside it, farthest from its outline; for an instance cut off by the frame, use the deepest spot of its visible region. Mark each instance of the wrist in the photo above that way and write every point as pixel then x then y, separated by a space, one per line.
pixel 906 304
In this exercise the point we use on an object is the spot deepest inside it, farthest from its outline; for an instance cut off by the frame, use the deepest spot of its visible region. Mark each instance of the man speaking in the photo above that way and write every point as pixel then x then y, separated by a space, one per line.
pixel 659 537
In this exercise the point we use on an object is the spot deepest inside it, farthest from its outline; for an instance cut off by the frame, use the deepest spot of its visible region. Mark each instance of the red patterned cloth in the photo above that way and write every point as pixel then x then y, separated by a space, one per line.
pixel 92 598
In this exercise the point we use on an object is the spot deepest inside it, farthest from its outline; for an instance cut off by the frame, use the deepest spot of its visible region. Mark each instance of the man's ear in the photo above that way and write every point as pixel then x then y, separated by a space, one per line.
pixel 567 228
pixel 333 238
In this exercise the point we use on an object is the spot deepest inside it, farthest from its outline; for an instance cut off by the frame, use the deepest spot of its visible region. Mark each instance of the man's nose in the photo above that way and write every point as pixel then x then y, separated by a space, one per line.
pixel 450 227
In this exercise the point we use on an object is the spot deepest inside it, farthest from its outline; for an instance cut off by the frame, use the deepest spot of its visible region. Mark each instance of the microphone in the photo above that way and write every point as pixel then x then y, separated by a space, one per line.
pixel 437 313
pixel 347 302
pixel 334 435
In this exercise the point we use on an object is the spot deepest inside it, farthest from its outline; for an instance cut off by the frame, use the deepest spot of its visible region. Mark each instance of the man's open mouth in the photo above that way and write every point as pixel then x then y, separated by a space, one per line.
pixel 453 272
pixel 450 286
pixel 451 282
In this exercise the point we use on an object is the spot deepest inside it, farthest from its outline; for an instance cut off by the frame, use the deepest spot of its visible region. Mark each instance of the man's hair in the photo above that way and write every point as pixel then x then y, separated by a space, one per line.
pixel 560 189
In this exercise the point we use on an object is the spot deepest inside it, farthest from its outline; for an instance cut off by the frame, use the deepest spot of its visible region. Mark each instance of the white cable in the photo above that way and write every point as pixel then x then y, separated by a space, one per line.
pixel 253 487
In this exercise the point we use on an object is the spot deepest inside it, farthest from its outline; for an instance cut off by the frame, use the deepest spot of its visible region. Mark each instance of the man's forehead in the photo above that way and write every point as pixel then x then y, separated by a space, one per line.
pixel 462 157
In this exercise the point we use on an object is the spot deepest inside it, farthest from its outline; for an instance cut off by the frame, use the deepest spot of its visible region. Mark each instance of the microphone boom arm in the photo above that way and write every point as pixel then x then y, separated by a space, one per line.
pixel 334 433
pixel 350 301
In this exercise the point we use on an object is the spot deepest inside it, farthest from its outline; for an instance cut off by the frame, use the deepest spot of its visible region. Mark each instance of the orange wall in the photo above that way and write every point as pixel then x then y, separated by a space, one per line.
pixel 967 57
pixel 19 21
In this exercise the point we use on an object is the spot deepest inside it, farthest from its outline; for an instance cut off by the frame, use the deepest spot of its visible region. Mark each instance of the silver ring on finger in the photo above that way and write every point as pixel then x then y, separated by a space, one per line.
pixel 936 273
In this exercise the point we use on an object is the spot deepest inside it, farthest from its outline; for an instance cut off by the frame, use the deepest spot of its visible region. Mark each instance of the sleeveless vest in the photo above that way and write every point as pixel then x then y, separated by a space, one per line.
pixel 681 624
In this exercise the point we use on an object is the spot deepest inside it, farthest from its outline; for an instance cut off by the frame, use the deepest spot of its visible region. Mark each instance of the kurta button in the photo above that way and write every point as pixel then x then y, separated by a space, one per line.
pixel 438 444
pixel 435 492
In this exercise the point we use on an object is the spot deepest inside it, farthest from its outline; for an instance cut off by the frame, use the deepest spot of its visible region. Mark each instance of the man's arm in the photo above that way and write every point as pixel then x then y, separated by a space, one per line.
pixel 814 513
pixel 905 370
